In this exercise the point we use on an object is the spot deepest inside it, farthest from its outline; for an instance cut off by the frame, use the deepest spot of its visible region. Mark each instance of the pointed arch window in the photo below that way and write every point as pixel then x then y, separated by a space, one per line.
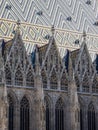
pixel 18 77
pixel 95 85
pixel 11 113
pixel 91 117
pixel 7 75
pixel 59 115
pixel 47 114
pixel 30 79
pixel 82 113
pixel 85 84
pixel 81 118
pixel 44 78
pixel 24 114
pixel 53 80
pixel 64 82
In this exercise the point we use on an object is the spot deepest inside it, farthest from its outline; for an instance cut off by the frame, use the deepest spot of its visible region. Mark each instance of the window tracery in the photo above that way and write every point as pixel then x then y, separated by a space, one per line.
pixel 18 77
pixel 24 114
pixel 64 81
pixel 85 84
pixel 30 78
pixel 59 115
pixel 95 85
pixel 47 114
pixel 11 113
pixel 91 117
pixel 44 78
pixel 7 75
pixel 53 80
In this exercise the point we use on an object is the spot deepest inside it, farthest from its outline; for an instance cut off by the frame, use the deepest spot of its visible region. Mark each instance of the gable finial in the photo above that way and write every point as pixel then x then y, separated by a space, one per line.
pixel 84 36
pixel 52 30
pixel 18 24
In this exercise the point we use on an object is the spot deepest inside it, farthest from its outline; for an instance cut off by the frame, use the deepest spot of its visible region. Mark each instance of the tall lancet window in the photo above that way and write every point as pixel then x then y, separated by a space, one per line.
pixel 11 113
pixel 59 115
pixel 53 80
pixel 44 78
pixel 24 114
pixel 18 77
pixel 85 83
pixel 64 82
pixel 47 114
pixel 7 75
pixel 30 78
pixel 91 117
pixel 81 118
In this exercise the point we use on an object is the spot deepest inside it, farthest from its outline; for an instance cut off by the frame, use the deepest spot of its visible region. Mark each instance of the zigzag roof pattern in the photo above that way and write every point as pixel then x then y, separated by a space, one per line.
pixel 53 12
pixel 75 15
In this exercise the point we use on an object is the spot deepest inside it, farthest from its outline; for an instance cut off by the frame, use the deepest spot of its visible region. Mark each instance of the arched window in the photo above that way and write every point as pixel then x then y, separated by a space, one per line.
pixel 91 117
pixel 53 80
pixel 82 113
pixel 95 85
pixel 44 78
pixel 24 114
pixel 11 113
pixel 59 115
pixel 85 83
pixel 64 82
pixel 47 114
pixel 81 118
pixel 30 79
pixel 7 75
pixel 18 77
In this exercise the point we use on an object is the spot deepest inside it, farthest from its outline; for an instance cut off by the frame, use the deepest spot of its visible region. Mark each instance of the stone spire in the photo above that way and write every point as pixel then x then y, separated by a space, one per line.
pixel 18 25
pixel 84 36
pixel 52 30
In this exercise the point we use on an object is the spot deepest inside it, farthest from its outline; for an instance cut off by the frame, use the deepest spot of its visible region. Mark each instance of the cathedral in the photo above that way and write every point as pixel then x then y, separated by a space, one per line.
pixel 43 91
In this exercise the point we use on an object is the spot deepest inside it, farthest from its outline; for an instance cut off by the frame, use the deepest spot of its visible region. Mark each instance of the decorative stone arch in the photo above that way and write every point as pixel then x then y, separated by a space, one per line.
pixel 19 76
pixel 81 102
pixel 53 79
pixel 95 84
pixel 48 98
pixel 91 117
pixel 12 106
pixel 44 78
pixel 8 74
pixel 64 80
pixel 59 114
pixel 14 96
pixel 29 98
pixel 82 112
pixel 48 104
pixel 24 113
pixel 77 82
pixel 85 83
pixel 30 77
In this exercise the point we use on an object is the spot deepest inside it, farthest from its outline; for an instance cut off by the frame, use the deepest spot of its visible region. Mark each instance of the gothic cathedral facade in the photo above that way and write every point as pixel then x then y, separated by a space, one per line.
pixel 42 91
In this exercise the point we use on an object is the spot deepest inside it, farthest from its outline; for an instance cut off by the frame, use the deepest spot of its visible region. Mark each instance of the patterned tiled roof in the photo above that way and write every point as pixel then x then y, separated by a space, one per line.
pixel 39 15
